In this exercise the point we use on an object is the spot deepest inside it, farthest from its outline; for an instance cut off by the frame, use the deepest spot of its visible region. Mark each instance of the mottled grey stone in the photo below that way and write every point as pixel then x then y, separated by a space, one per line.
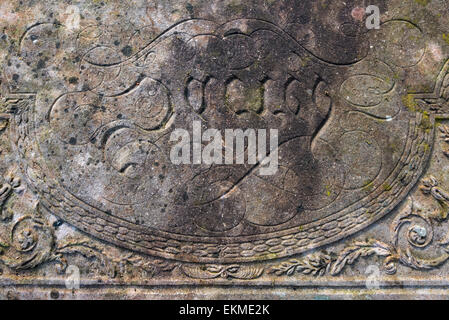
pixel 92 91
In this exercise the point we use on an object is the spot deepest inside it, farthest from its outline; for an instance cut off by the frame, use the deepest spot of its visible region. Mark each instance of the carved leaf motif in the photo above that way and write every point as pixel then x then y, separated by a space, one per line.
pixel 32 243
pixel 360 249
pixel 444 129
pixel 246 273
pixel 200 272
pixel 87 250
pixel 215 271
pixel 316 264
pixel 151 266
pixel 110 265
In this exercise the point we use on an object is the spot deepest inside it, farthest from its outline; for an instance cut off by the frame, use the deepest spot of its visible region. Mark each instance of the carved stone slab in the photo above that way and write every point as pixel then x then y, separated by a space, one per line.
pixel 92 203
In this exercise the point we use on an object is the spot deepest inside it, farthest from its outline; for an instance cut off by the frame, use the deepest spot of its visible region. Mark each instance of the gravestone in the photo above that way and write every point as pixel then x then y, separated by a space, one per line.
pixel 122 126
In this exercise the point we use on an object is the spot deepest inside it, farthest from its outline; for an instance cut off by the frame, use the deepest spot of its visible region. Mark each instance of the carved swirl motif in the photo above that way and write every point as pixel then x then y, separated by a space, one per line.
pixel 93 147
pixel 134 152
pixel 281 245
pixel 412 229
pixel 31 244
pixel 418 235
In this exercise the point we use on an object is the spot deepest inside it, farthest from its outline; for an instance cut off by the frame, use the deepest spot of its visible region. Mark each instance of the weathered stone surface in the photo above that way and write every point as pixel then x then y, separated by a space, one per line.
pixel 93 93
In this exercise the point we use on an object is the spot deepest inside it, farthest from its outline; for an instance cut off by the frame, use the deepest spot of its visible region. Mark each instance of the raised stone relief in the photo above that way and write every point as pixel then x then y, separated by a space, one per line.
pixel 93 94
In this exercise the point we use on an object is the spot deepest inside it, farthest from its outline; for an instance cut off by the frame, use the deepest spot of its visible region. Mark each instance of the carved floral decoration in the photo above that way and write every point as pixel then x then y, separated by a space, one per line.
pixel 412 231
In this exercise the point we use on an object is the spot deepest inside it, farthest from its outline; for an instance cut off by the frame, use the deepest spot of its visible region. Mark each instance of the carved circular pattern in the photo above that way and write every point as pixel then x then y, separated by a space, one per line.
pixel 99 158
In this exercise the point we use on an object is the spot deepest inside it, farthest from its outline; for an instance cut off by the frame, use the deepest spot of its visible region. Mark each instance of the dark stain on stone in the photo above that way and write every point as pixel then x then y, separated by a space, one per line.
pixel 127 51
pixel 54 294
pixel 40 64
pixel 73 80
